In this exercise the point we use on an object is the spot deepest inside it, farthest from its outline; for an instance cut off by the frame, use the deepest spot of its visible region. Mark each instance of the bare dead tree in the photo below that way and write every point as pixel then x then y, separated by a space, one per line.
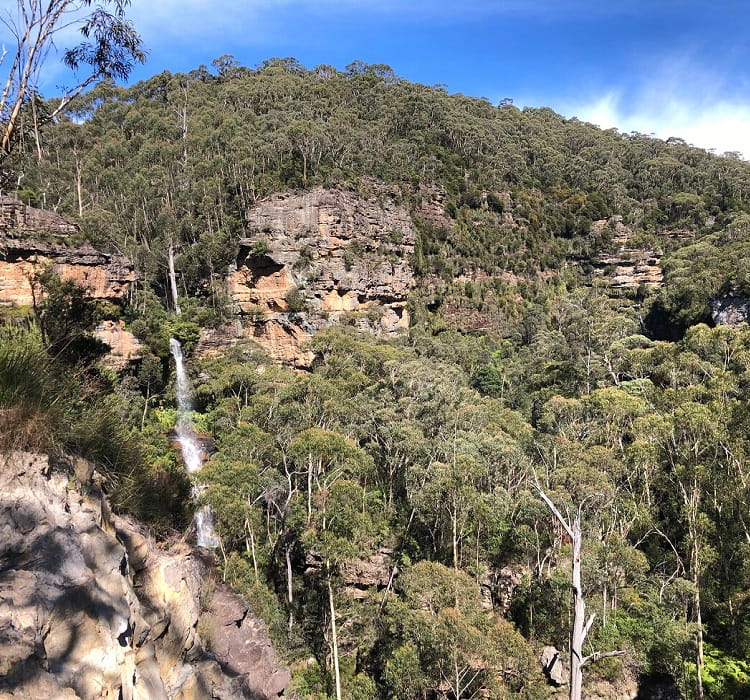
pixel 581 625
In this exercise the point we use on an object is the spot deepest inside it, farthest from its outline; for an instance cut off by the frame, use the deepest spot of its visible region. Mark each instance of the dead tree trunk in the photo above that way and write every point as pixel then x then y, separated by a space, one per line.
pixel 173 278
pixel 581 625
pixel 289 584
pixel 334 636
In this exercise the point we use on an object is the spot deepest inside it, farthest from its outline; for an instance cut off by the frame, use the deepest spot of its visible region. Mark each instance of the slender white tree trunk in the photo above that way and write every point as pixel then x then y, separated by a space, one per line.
pixel 79 188
pixel 289 585
pixel 581 626
pixel 334 641
pixel 173 279
pixel 698 622
pixel 579 615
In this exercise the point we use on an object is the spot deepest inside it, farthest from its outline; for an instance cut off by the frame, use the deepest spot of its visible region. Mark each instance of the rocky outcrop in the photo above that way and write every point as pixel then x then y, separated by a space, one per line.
pixel 17 216
pixel 318 257
pixel 730 311
pixel 124 347
pixel 361 575
pixel 432 198
pixel 33 239
pixel 624 265
pixel 90 607
pixel 498 586
pixel 553 665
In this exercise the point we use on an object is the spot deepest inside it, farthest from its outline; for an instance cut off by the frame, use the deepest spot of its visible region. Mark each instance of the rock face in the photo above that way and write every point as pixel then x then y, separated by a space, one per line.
pixel 627 266
pixel 124 346
pixel 730 311
pixel 31 239
pixel 318 257
pixel 498 586
pixel 553 665
pixel 91 608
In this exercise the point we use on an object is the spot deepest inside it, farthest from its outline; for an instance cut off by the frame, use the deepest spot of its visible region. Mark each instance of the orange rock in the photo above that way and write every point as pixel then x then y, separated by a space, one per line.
pixel 33 239
pixel 124 346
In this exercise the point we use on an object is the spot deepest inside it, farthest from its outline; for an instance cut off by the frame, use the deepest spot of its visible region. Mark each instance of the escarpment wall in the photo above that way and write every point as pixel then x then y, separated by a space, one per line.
pixel 315 258
pixel 32 239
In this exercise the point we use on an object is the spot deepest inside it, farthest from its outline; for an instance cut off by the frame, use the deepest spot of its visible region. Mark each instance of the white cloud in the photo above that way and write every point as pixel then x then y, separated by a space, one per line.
pixel 721 125
pixel 677 97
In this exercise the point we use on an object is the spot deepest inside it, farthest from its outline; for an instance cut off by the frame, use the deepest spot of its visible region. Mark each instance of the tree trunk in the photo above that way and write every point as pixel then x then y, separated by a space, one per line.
pixel 289 586
pixel 698 622
pixel 454 535
pixel 581 626
pixel 249 530
pixel 579 613
pixel 309 488
pixel 334 640
pixel 79 189
pixel 173 279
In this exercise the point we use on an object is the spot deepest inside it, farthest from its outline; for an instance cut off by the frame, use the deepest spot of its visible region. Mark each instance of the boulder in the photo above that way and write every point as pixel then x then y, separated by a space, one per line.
pixel 553 666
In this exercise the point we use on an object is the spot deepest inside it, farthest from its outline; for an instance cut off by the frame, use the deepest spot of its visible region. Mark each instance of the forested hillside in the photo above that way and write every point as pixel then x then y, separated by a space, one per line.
pixel 577 331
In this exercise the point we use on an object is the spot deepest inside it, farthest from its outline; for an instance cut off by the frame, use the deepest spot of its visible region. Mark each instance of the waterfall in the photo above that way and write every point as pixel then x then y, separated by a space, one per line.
pixel 189 447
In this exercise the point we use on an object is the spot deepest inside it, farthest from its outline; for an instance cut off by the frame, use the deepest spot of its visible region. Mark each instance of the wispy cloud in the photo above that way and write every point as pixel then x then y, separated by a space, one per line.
pixel 679 99
pixel 252 18
pixel 721 126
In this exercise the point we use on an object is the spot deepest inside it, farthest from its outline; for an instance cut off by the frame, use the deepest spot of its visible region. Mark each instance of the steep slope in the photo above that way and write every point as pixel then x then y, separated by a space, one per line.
pixel 90 607
pixel 528 267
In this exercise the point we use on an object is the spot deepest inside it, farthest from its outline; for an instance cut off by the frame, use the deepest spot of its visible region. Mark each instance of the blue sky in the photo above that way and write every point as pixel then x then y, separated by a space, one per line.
pixel 668 67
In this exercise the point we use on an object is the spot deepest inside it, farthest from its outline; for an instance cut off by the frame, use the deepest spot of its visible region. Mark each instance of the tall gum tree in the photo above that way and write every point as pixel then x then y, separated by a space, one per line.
pixel 581 624
pixel 109 49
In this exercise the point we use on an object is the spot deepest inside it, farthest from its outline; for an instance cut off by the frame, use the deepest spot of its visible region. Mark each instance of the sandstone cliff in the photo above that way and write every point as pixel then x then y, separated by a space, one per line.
pixel 315 258
pixel 624 265
pixel 34 239
pixel 31 239
pixel 90 607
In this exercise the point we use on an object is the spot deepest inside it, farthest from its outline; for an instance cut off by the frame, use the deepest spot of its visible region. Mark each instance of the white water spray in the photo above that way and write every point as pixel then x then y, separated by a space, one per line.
pixel 189 447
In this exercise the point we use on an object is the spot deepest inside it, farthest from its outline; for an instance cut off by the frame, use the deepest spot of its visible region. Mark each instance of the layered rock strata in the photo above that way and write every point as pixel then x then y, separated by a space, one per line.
pixel 627 266
pixel 315 258
pixel 33 239
pixel 90 607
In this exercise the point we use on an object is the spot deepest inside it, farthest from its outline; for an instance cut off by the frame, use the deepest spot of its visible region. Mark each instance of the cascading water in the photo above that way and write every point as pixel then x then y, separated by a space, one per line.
pixel 189 447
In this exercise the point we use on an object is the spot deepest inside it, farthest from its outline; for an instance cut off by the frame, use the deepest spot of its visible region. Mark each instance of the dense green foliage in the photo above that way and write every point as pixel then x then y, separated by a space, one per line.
pixel 54 398
pixel 521 365
pixel 181 158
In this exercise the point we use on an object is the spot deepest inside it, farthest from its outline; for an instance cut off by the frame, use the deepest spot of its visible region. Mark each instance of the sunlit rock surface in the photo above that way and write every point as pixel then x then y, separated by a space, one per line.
pixel 315 258
pixel 33 239
pixel 91 607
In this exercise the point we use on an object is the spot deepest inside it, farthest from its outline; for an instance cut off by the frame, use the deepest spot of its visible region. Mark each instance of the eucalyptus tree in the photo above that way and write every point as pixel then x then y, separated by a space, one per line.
pixel 581 625
pixel 108 51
